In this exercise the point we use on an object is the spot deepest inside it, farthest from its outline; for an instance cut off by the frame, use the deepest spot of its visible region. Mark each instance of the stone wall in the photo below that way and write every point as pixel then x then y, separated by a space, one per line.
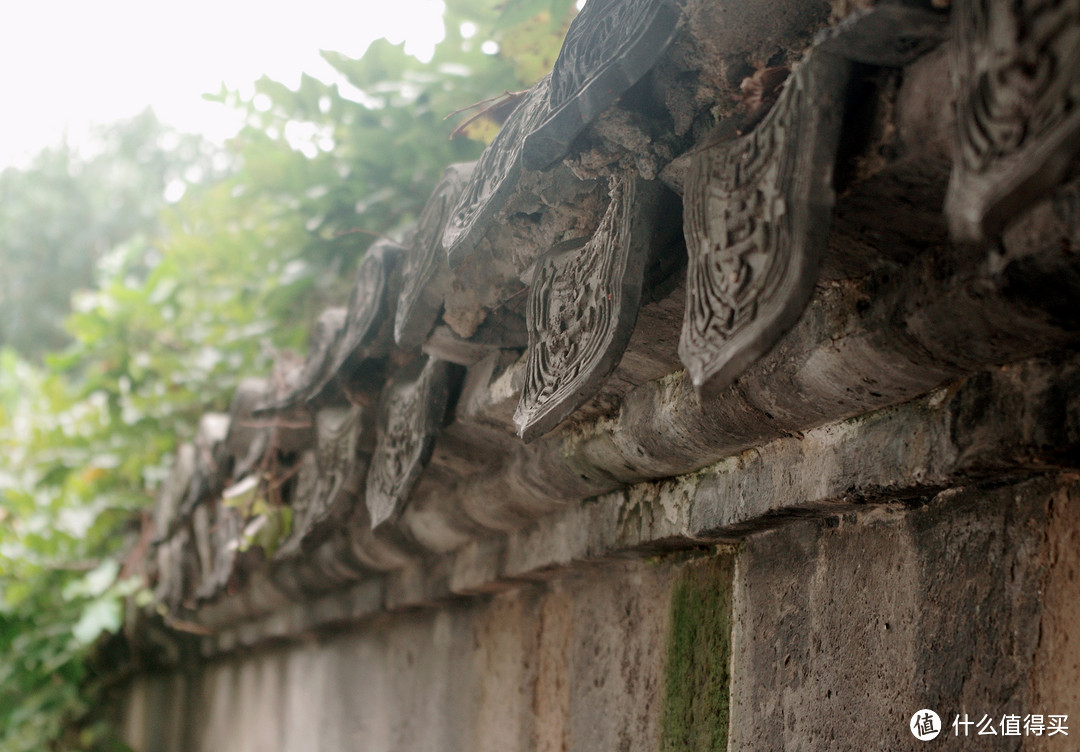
pixel 821 634
pixel 731 400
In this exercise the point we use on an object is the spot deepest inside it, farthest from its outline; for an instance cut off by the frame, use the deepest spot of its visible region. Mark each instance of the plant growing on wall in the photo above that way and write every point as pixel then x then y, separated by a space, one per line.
pixel 171 304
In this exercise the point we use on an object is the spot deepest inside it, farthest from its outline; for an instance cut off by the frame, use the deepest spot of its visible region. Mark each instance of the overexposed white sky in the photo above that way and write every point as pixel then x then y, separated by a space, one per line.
pixel 65 64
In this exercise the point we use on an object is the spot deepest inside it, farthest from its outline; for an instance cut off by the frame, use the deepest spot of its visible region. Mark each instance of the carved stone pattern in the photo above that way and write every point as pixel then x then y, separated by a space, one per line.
pixel 756 215
pixel 410 416
pixel 426 269
pixel 337 439
pixel 608 48
pixel 368 304
pixel 1018 123
pixel 224 537
pixel 324 337
pixel 582 307
pixel 495 176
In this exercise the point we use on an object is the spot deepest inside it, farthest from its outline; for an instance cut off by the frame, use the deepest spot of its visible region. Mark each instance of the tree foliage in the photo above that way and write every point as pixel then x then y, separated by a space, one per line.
pixel 172 303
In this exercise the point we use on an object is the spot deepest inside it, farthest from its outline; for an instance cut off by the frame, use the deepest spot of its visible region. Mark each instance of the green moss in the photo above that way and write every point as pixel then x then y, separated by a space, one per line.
pixel 697 691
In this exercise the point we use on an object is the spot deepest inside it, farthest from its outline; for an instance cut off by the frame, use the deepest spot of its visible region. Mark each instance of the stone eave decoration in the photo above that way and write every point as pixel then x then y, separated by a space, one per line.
pixel 225 534
pixel 609 47
pixel 1018 123
pixel 340 472
pixel 425 272
pixel 249 436
pixel 757 211
pixel 411 411
pixel 208 478
pixel 582 307
pixel 371 308
pixel 495 177
pixel 321 347
pixel 173 491
pixel 886 34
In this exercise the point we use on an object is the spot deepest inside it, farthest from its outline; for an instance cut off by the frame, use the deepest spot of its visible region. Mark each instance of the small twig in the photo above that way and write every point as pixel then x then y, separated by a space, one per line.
pixel 187 626
pixel 372 233
pixel 491 104
pixel 275 423
pixel 506 93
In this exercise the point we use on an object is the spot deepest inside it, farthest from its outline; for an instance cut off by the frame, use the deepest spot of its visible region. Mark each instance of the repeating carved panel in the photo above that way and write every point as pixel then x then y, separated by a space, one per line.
pixel 341 468
pixel 756 216
pixel 321 347
pixel 886 34
pixel 371 308
pixel 426 272
pixel 225 535
pixel 173 491
pixel 609 47
pixel 582 307
pixel 411 412
pixel 495 177
pixel 1018 124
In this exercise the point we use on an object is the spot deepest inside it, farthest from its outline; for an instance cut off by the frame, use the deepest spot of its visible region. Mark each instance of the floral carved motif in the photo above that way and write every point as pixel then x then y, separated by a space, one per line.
pixel 411 411
pixel 582 307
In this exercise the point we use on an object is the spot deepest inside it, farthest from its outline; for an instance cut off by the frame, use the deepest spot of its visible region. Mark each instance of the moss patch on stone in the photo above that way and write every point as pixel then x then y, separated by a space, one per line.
pixel 697 687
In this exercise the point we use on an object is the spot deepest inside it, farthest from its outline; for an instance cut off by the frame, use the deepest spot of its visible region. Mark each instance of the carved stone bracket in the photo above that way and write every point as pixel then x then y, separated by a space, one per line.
pixel 495 177
pixel 1018 123
pixel 582 307
pixel 886 34
pixel 756 217
pixel 609 47
pixel 411 412
pixel 370 315
pixel 426 273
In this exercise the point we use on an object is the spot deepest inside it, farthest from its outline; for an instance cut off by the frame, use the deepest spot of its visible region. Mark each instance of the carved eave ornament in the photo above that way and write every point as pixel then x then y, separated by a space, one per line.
pixel 426 272
pixel 369 316
pixel 341 469
pixel 1018 124
pixel 411 412
pixel 609 47
pixel 495 176
pixel 756 214
pixel 582 307
pixel 324 339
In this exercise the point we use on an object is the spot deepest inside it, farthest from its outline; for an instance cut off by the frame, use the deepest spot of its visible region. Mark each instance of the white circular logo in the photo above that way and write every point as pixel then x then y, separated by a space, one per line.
pixel 925 725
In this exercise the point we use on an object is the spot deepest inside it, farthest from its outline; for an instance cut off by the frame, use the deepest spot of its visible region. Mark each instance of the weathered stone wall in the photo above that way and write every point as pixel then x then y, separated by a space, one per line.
pixel 731 400
pixel 820 634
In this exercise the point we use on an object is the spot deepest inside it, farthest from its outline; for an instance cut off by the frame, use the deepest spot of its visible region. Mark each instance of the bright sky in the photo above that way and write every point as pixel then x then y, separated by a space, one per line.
pixel 65 64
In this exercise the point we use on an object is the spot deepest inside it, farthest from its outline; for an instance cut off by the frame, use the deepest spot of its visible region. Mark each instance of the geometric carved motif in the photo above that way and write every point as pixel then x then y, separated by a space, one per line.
pixel 425 271
pixel 1018 119
pixel 609 47
pixel 756 215
pixel 582 307
pixel 411 411
pixel 495 177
